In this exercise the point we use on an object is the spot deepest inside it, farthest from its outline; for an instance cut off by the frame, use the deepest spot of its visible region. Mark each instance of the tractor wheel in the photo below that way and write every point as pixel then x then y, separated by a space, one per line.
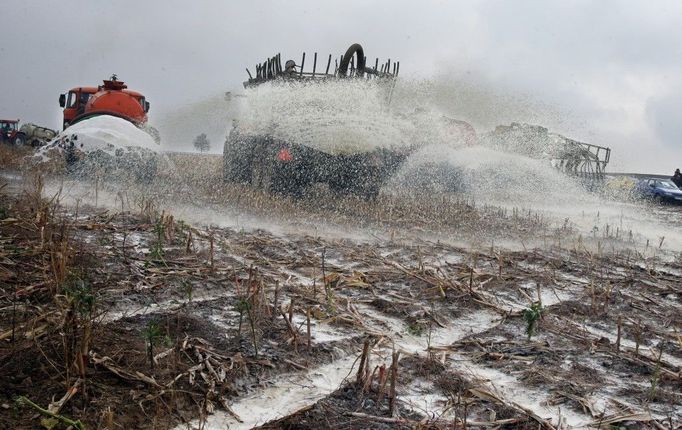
pixel 369 190
pixel 19 140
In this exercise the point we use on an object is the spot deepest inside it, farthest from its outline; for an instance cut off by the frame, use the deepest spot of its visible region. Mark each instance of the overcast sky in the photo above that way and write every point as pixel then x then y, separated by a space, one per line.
pixel 610 72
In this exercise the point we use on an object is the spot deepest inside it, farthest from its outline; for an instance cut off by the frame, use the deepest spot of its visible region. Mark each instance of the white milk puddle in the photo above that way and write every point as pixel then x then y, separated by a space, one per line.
pixel 626 343
pixel 550 295
pixel 287 394
pixel 291 392
pixel 508 388
pixel 420 397
pixel 397 330
pixel 133 309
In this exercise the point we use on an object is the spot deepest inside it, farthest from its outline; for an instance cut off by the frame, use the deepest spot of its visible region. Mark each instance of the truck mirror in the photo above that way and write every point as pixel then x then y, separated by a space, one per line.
pixel 146 106
pixel 62 100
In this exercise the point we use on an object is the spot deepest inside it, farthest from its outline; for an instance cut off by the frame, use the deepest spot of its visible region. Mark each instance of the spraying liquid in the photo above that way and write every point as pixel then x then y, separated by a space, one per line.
pixel 346 117
pixel 339 117
pixel 355 116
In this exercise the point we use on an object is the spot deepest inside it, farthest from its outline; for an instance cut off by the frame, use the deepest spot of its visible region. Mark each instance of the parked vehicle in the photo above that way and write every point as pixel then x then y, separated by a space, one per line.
pixel 9 132
pixel 36 135
pixel 32 134
pixel 659 190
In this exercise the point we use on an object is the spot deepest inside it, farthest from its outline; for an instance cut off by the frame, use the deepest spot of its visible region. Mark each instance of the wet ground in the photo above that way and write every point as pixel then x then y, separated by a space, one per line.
pixel 167 310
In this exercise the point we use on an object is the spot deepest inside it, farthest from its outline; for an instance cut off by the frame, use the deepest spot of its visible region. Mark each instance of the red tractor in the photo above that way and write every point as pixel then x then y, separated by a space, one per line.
pixel 9 132
pixel 112 98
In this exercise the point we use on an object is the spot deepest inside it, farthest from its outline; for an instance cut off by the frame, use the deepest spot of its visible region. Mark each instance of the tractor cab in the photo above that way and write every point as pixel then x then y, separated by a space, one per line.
pixel 9 124
pixel 8 130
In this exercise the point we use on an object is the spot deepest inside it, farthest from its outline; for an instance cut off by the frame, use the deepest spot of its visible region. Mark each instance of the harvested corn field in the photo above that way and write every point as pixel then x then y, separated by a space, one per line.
pixel 118 312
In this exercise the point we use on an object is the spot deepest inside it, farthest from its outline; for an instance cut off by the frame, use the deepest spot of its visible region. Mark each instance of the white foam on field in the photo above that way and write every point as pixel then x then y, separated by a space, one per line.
pixel 102 133
pixel 424 398
pixel 516 182
pixel 667 359
pixel 514 392
pixel 284 395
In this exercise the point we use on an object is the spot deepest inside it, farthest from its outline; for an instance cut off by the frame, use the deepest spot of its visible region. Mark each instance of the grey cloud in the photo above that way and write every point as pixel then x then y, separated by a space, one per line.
pixel 663 115
pixel 563 62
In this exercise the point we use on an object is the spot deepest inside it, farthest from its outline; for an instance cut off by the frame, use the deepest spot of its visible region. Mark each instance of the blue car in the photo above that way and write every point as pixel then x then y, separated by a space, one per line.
pixel 660 190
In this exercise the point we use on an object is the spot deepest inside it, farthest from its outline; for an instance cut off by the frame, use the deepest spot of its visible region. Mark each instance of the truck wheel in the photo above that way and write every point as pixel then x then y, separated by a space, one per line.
pixel 234 171
pixel 368 190
pixel 265 177
pixel 294 188
pixel 228 175
pixel 238 155
pixel 261 175
pixel 371 193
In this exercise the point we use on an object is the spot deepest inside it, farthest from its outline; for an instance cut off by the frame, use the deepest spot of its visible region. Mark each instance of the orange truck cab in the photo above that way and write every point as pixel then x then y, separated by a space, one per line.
pixel 112 98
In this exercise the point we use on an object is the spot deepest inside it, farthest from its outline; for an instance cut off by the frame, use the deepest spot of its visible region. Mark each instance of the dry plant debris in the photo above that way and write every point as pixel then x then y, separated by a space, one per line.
pixel 135 319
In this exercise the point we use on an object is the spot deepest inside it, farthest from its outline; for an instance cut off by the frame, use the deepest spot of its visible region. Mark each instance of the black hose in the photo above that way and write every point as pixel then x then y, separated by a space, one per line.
pixel 354 49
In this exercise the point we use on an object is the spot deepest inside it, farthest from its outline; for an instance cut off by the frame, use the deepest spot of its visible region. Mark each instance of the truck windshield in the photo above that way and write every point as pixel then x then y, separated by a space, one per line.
pixel 72 101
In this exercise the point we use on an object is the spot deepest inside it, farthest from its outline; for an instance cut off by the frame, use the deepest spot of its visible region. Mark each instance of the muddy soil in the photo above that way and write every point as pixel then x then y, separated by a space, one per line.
pixel 122 315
